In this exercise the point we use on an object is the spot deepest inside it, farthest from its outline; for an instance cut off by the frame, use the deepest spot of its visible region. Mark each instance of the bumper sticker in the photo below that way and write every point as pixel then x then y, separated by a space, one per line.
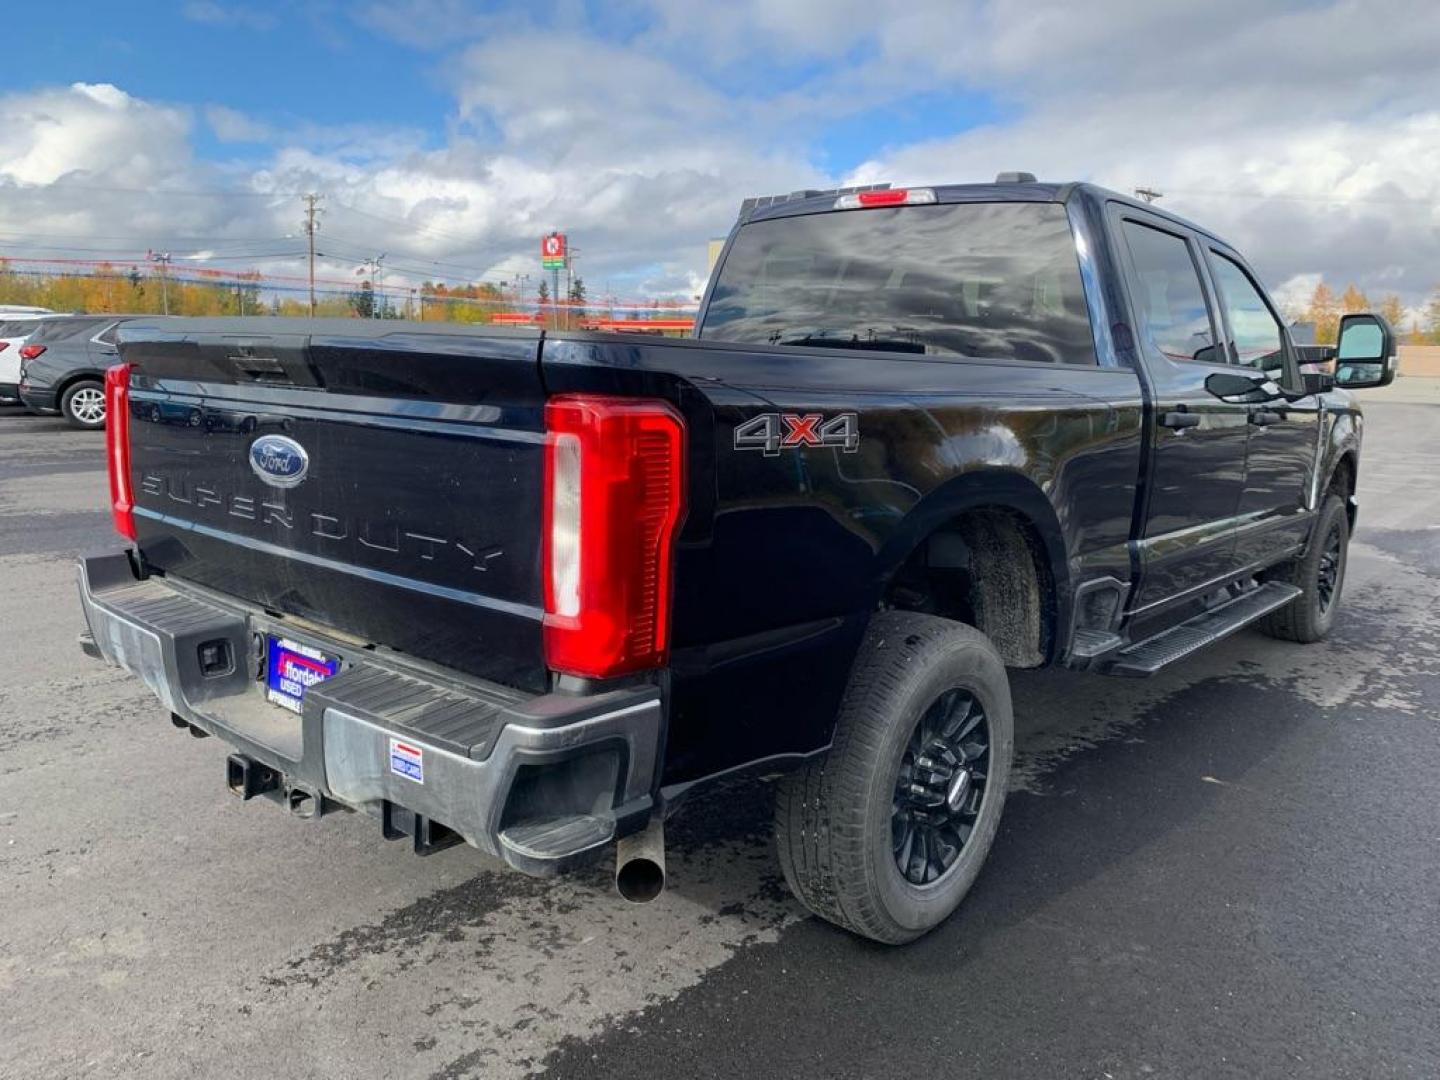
pixel 407 761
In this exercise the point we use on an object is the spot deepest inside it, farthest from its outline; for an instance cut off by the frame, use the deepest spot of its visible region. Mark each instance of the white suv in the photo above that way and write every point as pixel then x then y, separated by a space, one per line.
pixel 15 327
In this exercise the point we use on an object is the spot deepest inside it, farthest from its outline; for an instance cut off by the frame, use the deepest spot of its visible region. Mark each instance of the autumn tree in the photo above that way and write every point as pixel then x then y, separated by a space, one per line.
pixel 1392 308
pixel 1432 316
pixel 1324 312
pixel 1353 300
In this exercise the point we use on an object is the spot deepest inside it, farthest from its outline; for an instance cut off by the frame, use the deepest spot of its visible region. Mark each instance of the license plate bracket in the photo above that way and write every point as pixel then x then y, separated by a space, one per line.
pixel 291 667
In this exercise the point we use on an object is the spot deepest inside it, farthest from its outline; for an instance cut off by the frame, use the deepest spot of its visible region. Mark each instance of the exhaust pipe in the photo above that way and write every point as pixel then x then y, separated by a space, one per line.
pixel 640 863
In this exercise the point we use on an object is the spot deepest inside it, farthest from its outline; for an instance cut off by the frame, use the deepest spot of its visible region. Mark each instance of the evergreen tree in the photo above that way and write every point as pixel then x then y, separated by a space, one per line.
pixel 362 300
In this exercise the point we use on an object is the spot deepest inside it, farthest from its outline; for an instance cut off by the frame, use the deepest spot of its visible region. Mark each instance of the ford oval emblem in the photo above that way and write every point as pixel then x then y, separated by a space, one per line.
pixel 279 460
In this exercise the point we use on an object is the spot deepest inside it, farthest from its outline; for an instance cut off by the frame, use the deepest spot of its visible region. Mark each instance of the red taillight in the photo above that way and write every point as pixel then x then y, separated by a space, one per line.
pixel 29 352
pixel 4 345
pixel 614 496
pixel 117 447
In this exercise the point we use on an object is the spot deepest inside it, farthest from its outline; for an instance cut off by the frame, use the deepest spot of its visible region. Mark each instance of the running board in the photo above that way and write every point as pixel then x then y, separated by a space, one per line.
pixel 1149 656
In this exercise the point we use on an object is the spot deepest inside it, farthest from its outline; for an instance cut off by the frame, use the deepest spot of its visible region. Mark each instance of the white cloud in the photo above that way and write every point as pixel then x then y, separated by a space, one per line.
pixel 231 125
pixel 237 15
pixel 89 129
pixel 1307 135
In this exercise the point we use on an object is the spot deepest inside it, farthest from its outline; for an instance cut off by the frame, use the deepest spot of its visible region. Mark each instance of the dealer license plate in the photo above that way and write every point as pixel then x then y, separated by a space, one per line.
pixel 291 668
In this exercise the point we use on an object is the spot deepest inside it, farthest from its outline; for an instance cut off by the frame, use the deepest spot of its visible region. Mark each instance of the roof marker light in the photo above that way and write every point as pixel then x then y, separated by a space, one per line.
pixel 863 200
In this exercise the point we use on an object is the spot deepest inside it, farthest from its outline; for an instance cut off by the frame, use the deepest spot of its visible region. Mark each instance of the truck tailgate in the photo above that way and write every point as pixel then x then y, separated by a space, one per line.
pixel 381 480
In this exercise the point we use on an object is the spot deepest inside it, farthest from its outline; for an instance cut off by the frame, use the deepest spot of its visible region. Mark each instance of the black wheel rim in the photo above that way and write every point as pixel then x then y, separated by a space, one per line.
pixel 941 787
pixel 1327 578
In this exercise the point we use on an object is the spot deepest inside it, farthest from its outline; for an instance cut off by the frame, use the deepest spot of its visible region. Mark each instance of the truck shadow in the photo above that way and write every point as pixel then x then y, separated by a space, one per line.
pixel 1136 851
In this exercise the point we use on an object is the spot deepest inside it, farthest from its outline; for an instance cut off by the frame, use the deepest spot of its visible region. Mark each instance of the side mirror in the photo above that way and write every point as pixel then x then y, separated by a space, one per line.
pixel 1365 353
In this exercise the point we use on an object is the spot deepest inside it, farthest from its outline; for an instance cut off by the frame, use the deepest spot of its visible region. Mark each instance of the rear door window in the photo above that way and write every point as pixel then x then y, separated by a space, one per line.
pixel 986 280
pixel 1166 289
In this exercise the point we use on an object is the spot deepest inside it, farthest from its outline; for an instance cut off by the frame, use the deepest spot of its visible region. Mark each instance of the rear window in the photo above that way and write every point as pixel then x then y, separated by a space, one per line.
pixel 10 328
pixel 991 280
pixel 66 329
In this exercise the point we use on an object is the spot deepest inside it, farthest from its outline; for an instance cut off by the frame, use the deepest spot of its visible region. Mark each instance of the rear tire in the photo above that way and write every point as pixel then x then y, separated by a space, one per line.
pixel 1320 574
pixel 840 823
pixel 83 404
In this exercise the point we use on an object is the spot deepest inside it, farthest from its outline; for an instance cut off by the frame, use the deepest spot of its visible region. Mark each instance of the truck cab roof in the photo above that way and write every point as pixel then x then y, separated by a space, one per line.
pixel 1004 189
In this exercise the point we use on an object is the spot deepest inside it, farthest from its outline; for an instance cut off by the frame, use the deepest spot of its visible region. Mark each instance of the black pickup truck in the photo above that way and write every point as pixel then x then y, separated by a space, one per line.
pixel 529 590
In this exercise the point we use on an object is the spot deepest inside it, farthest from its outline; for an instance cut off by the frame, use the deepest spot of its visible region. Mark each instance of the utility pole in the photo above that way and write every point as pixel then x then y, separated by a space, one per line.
pixel 1149 194
pixel 570 253
pixel 311 223
pixel 373 267
pixel 162 260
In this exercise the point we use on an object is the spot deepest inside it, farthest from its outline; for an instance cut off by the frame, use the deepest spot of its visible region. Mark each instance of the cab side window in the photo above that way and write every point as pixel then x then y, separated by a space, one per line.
pixel 1168 293
pixel 1258 339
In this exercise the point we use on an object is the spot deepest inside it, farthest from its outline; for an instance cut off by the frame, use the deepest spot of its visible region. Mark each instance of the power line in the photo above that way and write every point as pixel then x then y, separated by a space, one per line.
pixel 214 193
pixel 429 230
pixel 420 267
pixel 1397 200
pixel 208 240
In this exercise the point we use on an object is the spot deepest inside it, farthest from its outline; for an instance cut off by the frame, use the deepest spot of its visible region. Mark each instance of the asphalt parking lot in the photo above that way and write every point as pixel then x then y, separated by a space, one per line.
pixel 1232 869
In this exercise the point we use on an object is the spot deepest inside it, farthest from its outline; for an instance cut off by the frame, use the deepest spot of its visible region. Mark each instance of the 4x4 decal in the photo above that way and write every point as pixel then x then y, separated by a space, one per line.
pixel 773 432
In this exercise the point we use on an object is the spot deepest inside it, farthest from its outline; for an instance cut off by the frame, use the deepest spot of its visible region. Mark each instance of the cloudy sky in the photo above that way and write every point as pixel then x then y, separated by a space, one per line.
pixel 451 134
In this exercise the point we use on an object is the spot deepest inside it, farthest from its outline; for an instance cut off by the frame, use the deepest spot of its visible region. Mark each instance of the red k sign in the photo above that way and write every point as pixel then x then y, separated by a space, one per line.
pixel 552 249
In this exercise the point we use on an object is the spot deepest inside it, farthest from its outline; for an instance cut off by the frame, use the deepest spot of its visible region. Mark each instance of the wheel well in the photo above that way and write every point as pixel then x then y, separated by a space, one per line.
pixel 986 568
pixel 1342 483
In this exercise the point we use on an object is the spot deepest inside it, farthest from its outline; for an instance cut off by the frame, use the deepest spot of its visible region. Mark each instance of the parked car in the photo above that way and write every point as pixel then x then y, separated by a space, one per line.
pixel 62 367
pixel 14 329
pixel 531 590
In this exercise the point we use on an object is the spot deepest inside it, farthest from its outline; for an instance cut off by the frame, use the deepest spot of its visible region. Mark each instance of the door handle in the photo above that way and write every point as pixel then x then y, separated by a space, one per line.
pixel 1265 417
pixel 1178 420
